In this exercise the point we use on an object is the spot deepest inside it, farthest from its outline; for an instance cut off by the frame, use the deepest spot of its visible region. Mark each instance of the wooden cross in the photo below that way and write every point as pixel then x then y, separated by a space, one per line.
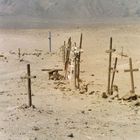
pixel 113 76
pixel 131 70
pixel 29 77
pixel 50 41
pixel 110 51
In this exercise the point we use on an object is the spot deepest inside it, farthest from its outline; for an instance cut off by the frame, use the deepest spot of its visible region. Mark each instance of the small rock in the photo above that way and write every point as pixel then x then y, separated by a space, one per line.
pixel 115 95
pixel 71 135
pixel 35 128
pixel 91 93
pixel 137 103
pixel 83 112
pixel 130 96
pixel 89 109
pixel 104 95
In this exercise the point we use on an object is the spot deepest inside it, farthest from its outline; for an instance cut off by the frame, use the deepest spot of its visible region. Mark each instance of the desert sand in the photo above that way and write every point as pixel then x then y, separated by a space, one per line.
pixel 67 114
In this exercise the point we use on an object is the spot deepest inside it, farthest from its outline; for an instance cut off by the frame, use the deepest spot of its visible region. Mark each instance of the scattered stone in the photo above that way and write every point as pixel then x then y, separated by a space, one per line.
pixel 91 93
pixel 83 88
pixel 17 118
pixel 130 96
pixel 137 103
pixel 83 112
pixel 35 128
pixel 89 109
pixel 104 95
pixel 71 135
pixel 115 95
pixel 24 106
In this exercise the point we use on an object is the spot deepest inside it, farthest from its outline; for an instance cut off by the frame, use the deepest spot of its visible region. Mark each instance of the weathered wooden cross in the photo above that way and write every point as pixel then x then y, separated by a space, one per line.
pixel 29 77
pixel 110 51
pixel 113 75
pixel 131 70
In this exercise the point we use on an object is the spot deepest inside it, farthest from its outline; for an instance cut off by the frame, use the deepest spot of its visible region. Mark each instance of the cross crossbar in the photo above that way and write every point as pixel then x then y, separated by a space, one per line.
pixel 111 51
pixel 28 77
pixel 52 69
pixel 134 70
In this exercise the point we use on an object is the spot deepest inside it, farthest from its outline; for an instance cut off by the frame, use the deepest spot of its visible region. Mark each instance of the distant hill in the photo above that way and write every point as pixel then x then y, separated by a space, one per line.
pixel 42 12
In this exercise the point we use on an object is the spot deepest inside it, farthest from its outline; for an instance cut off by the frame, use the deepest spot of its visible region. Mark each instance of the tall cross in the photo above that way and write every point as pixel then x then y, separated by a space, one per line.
pixel 131 70
pixel 29 77
pixel 110 51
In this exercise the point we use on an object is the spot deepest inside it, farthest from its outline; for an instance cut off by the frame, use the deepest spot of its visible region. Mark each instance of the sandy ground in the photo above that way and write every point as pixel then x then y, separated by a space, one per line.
pixel 64 115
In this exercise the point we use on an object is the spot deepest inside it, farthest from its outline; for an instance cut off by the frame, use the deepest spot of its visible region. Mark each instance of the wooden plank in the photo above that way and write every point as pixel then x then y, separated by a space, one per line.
pixel 52 69
pixel 109 67
pixel 29 85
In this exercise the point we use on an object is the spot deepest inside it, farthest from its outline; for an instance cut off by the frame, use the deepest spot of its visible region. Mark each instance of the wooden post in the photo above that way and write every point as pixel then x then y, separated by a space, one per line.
pixel 19 53
pixel 122 53
pixel 29 77
pixel 29 85
pixel 76 71
pixel 67 57
pixel 110 51
pixel 64 52
pixel 131 70
pixel 79 60
pixel 113 76
pixel 50 42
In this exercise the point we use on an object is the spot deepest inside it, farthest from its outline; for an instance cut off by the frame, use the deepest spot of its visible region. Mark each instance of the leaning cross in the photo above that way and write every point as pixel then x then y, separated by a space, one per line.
pixel 29 77
pixel 131 70
pixel 110 51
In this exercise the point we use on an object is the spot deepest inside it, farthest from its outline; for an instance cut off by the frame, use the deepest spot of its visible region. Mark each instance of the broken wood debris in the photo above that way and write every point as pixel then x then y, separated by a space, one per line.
pixel 54 74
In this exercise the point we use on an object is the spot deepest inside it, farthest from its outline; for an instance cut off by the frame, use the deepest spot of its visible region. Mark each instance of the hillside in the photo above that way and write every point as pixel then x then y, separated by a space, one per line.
pixel 61 11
